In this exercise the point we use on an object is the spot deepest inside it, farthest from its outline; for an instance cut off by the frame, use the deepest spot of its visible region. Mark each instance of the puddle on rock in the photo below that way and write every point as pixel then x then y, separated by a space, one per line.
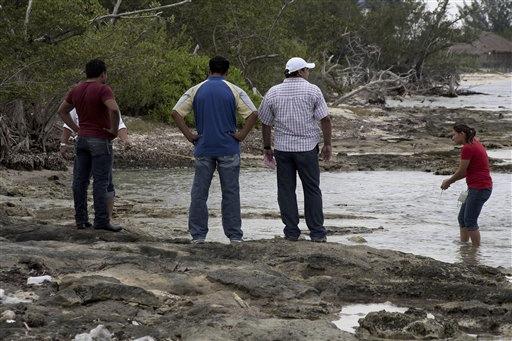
pixel 350 314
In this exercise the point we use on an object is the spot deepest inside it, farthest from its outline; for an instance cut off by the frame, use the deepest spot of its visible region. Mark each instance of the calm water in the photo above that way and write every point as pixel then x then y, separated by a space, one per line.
pixel 416 216
pixel 496 96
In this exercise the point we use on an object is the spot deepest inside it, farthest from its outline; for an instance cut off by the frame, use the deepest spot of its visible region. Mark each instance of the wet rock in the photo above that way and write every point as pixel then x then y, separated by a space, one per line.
pixel 289 289
pixel 258 283
pixel 411 325
pixel 443 172
pixel 27 232
pixel 90 289
pixel 100 333
pixel 343 230
pixel 473 308
pixel 253 329
pixel 357 239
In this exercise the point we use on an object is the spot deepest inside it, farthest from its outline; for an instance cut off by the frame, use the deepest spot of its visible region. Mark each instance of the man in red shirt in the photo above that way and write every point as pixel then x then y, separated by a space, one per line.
pixel 97 112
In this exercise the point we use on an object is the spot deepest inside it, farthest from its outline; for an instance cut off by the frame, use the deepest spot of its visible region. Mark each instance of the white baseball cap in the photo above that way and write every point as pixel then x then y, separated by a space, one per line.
pixel 296 63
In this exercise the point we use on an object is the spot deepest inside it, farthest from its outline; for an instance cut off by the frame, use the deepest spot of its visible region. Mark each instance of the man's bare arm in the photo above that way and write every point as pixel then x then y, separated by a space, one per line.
pixel 66 134
pixel 266 131
pixel 326 125
pixel 248 125
pixel 63 111
pixel 182 126
pixel 113 111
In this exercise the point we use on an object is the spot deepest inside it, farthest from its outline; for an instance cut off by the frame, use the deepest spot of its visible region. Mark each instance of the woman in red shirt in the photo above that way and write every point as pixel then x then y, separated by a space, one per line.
pixel 474 166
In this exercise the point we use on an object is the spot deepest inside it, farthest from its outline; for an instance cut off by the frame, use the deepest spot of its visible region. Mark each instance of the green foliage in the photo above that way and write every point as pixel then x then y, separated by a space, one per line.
pixel 148 70
pixel 489 15
pixel 150 63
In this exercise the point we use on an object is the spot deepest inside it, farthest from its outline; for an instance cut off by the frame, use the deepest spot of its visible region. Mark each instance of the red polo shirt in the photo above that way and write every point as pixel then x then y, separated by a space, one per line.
pixel 88 98
pixel 478 174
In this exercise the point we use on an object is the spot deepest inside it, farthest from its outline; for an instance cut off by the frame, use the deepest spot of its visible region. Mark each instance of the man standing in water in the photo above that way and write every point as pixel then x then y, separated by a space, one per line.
pixel 98 114
pixel 294 108
pixel 216 103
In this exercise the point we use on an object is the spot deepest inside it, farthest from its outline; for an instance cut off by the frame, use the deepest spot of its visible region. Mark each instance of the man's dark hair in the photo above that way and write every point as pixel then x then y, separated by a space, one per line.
pixel 94 68
pixel 294 74
pixel 219 64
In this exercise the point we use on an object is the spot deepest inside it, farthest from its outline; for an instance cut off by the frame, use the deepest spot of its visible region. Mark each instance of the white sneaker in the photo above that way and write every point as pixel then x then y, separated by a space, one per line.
pixel 236 241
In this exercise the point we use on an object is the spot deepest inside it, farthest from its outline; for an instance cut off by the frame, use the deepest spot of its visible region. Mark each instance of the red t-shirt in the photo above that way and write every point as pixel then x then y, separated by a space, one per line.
pixel 478 175
pixel 88 98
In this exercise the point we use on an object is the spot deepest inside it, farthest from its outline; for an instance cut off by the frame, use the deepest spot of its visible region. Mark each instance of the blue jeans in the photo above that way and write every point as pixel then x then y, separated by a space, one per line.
pixel 92 156
pixel 471 208
pixel 229 172
pixel 306 164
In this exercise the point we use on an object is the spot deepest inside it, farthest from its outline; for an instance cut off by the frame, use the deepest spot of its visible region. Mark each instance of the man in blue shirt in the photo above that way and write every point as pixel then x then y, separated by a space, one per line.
pixel 216 103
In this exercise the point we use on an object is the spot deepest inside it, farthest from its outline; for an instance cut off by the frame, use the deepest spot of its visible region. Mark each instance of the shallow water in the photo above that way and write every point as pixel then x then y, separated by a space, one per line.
pixel 504 154
pixel 496 96
pixel 416 216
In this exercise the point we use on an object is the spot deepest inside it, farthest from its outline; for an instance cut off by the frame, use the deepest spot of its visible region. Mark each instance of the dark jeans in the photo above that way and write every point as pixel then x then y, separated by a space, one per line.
pixel 229 172
pixel 306 164
pixel 471 208
pixel 92 156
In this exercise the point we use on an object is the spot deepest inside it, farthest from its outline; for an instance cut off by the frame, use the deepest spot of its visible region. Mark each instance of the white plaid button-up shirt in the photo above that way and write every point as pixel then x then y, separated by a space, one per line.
pixel 294 108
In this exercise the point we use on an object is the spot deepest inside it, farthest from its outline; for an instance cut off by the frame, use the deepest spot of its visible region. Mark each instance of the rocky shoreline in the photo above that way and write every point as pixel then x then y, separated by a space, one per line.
pixel 136 285
pixel 142 282
pixel 364 138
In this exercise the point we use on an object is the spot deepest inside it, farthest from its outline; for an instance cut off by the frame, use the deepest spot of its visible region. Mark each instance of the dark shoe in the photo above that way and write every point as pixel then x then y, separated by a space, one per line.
pixel 198 241
pixel 291 239
pixel 319 240
pixel 109 227
pixel 236 241
pixel 83 226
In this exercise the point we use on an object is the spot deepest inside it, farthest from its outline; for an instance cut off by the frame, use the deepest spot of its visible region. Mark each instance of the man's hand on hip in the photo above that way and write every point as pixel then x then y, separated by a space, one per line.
pixel 192 138
pixel 239 136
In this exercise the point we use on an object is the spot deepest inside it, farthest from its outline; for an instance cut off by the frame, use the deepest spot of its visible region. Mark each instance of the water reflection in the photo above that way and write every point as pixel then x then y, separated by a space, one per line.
pixel 469 254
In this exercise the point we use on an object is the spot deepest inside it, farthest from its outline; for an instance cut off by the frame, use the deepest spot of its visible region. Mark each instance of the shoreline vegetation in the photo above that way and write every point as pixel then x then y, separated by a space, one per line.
pixel 61 283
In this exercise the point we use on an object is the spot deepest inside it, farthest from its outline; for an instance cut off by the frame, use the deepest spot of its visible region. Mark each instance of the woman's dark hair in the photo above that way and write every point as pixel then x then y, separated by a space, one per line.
pixel 219 64
pixel 94 68
pixel 462 128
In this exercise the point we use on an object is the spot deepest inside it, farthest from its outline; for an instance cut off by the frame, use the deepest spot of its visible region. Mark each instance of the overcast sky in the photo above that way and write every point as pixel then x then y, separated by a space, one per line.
pixel 453 5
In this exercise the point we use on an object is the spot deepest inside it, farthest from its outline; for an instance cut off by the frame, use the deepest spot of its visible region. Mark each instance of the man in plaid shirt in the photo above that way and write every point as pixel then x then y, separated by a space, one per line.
pixel 294 109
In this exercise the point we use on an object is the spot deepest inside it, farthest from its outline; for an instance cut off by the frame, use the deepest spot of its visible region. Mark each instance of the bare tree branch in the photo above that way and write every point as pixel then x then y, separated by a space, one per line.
pixel 120 15
pixel 116 10
pixel 27 17
pixel 286 3
pixel 253 59
pixel 381 82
